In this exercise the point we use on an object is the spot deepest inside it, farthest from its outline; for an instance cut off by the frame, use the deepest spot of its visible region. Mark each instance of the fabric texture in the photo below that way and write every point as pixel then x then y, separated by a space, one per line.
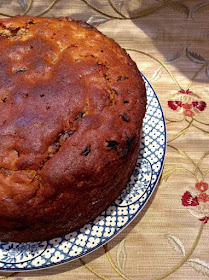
pixel 169 42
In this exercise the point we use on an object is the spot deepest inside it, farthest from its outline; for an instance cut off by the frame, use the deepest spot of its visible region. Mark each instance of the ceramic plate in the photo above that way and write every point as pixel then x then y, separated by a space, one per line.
pixel 39 255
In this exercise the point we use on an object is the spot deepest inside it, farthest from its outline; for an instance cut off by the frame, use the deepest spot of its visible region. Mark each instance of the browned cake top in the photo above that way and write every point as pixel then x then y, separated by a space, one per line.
pixel 67 95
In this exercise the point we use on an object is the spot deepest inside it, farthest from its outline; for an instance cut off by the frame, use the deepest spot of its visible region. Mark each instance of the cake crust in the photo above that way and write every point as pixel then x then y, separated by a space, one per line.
pixel 72 104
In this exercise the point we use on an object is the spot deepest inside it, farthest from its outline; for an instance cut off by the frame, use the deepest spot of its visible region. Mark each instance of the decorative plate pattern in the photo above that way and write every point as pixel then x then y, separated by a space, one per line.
pixel 39 255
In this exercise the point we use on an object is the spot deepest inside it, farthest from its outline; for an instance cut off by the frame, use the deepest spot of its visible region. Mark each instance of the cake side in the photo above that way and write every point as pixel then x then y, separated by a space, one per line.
pixel 72 104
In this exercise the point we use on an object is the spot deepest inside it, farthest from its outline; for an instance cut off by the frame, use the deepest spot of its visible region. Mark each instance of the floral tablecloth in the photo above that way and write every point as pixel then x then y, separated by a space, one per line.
pixel 169 41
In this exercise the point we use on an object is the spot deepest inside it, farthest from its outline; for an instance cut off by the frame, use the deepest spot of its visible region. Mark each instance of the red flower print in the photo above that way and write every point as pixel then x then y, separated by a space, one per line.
pixel 198 204
pixel 187 106
pixel 188 113
pixel 174 104
pixel 201 186
pixel 188 200
pixel 201 105
pixel 185 92
pixel 187 100
pixel 203 197
pixel 205 219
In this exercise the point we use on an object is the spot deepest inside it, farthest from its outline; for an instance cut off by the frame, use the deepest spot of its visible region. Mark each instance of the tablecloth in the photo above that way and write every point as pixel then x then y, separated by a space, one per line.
pixel 169 41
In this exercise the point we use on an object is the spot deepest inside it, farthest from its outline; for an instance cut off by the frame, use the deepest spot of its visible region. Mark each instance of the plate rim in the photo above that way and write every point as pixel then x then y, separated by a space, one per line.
pixel 108 239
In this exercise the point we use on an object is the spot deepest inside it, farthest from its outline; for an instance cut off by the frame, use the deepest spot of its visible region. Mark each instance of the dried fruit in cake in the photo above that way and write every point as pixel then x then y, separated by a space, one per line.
pixel 72 104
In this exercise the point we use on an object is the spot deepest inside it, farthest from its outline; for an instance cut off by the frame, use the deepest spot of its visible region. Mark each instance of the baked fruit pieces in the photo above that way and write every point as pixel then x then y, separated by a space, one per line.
pixel 72 104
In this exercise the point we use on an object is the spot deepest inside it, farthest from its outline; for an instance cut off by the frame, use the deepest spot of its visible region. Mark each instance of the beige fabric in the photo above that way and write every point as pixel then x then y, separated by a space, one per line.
pixel 171 48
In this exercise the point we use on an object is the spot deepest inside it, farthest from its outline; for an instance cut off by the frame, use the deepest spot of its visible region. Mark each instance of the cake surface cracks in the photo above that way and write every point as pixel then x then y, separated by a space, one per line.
pixel 72 103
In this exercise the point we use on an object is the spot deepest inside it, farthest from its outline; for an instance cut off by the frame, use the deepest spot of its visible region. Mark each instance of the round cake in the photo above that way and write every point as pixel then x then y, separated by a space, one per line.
pixel 72 104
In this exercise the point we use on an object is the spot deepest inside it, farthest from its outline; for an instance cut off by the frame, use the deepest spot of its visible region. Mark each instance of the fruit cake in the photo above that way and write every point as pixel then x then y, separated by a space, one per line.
pixel 72 104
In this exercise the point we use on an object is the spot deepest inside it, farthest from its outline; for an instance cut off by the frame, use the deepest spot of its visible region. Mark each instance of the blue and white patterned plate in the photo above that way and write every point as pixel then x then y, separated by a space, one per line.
pixel 39 255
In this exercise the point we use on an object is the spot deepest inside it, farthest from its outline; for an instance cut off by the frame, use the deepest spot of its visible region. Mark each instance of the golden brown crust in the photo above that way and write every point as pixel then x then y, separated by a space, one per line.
pixel 72 103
